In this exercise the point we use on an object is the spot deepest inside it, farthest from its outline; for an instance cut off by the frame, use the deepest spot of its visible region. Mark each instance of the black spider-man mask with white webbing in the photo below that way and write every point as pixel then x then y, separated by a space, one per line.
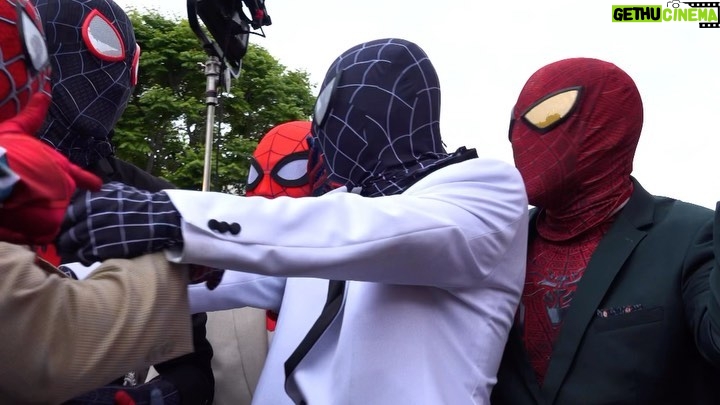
pixel 376 118
pixel 94 60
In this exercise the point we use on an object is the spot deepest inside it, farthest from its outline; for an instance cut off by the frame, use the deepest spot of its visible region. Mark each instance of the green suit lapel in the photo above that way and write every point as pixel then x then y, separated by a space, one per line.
pixel 610 255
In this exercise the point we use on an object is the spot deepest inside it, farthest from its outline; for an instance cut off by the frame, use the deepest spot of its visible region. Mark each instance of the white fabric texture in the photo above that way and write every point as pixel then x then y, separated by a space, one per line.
pixel 436 275
pixel 304 299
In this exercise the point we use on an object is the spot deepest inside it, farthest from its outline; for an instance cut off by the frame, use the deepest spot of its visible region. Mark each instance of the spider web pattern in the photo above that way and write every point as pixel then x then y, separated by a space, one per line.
pixel 579 174
pixel 579 171
pixel 17 85
pixel 121 221
pixel 281 141
pixel 89 94
pixel 554 271
pixel 381 131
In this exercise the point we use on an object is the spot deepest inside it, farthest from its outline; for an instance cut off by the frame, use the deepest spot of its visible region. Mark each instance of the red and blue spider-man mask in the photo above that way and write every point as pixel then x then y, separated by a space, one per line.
pixel 94 60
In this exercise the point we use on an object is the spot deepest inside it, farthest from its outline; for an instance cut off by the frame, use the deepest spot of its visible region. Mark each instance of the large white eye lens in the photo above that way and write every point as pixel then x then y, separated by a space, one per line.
pixel 293 170
pixel 102 38
pixel 34 43
pixel 323 101
pixel 253 175
pixel 552 109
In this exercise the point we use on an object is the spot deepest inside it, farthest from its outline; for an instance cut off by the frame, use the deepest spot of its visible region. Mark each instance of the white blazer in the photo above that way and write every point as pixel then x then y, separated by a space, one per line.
pixel 302 301
pixel 435 278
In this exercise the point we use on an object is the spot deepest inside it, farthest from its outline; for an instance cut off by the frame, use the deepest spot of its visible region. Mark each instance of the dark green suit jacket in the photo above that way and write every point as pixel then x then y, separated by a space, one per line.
pixel 657 260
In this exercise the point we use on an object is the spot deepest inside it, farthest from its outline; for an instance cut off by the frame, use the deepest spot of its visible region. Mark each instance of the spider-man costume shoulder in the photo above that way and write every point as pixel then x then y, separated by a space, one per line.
pixel 37 181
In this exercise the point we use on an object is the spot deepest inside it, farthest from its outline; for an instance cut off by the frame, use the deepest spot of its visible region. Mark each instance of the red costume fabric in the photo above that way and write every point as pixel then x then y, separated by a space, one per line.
pixel 574 131
pixel 279 168
pixel 43 180
pixel 34 211
pixel 24 60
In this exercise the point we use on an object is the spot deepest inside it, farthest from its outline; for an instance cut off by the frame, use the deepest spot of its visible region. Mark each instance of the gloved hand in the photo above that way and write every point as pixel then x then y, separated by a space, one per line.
pixel 118 221
pixel 317 171
pixel 154 392
pixel 40 182
pixel 208 275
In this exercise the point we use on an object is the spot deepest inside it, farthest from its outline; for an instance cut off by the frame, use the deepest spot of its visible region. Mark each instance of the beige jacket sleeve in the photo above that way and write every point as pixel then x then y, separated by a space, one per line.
pixel 62 337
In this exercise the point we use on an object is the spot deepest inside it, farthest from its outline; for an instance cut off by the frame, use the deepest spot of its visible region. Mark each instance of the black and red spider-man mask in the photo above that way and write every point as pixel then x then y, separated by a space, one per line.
pixel 376 119
pixel 94 60
pixel 574 131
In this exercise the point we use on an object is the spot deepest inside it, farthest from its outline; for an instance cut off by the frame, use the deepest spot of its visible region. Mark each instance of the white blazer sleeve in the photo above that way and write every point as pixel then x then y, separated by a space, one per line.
pixel 448 230
pixel 238 290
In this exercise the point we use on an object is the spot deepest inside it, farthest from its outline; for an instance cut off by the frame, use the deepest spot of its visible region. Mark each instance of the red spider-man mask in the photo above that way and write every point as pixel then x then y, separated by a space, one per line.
pixel 279 164
pixel 36 182
pixel 24 61
pixel 574 131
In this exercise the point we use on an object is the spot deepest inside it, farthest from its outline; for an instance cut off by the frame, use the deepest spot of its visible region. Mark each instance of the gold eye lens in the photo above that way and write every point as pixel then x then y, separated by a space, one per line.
pixel 552 109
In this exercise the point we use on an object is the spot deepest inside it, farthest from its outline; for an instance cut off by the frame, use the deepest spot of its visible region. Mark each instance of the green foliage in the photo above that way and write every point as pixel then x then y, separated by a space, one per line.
pixel 163 128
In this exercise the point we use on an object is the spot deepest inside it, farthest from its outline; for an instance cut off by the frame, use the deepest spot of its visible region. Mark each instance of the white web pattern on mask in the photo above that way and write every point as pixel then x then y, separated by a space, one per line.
pixel 120 221
pixel 349 142
pixel 85 92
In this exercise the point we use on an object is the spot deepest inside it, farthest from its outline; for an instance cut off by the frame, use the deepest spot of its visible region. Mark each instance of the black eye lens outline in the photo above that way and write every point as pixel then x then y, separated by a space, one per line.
pixel 550 127
pixel 512 124
pixel 300 181
pixel 260 174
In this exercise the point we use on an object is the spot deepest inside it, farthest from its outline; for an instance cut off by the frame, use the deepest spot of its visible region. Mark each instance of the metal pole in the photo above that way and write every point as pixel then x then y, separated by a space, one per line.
pixel 212 73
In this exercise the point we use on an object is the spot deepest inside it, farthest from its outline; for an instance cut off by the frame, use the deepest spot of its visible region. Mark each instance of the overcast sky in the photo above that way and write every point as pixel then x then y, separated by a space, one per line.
pixel 485 51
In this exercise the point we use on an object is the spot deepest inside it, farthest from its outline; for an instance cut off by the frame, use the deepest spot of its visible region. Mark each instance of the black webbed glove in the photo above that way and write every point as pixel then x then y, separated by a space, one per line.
pixel 118 221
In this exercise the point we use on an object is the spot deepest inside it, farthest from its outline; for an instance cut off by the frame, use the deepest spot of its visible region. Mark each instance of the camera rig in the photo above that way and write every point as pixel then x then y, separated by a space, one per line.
pixel 230 24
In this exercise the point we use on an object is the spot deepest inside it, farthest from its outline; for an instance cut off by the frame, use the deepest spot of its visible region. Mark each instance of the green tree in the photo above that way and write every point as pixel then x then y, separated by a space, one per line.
pixel 163 127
